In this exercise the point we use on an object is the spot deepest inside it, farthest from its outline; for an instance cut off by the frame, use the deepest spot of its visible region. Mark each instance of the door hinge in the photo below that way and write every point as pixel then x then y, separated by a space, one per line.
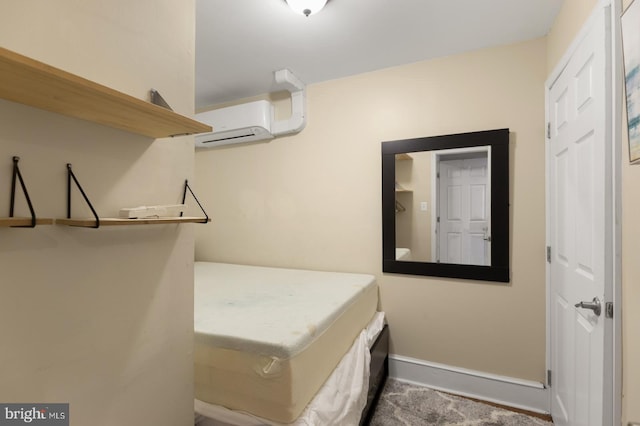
pixel 608 310
pixel 438 219
pixel 549 378
pixel 548 254
pixel 548 130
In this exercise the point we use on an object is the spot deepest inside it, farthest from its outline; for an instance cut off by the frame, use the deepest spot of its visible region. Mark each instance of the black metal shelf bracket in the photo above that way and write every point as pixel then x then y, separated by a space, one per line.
pixel 17 176
pixel 184 197
pixel 70 177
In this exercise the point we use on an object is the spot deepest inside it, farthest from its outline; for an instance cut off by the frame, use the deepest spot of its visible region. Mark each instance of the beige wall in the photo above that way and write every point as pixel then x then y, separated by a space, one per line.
pixel 102 319
pixel 630 280
pixel 313 200
pixel 572 16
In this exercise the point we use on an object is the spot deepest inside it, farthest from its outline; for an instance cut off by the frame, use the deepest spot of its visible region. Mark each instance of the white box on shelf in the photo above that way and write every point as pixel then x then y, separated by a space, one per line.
pixel 170 210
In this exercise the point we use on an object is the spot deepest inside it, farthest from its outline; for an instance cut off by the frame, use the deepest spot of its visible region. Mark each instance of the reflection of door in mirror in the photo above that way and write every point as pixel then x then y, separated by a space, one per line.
pixel 462 204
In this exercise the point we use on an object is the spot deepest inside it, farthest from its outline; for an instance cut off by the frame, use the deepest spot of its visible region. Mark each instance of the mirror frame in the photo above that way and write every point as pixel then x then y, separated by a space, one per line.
pixel 499 142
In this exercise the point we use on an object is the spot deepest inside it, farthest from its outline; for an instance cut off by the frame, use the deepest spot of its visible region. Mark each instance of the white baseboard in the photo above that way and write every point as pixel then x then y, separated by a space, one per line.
pixel 517 393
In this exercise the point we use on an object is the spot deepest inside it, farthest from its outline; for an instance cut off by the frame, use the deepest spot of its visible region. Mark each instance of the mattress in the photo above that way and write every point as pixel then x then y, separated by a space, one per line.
pixel 266 339
pixel 340 401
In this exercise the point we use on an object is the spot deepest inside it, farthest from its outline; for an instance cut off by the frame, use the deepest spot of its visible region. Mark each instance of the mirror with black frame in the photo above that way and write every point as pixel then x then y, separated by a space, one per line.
pixel 445 206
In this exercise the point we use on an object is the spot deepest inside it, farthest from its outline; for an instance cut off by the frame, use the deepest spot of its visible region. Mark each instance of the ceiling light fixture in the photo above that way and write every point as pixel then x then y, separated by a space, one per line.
pixel 306 7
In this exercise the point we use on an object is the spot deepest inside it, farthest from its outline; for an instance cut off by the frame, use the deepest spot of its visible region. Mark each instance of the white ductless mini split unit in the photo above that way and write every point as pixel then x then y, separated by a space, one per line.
pixel 254 121
pixel 236 124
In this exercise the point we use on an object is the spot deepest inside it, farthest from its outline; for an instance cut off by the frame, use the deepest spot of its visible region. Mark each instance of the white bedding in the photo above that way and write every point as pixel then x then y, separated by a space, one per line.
pixel 266 339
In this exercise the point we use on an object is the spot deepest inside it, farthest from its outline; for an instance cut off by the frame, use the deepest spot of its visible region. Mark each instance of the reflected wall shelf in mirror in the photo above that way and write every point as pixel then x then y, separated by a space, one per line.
pixel 30 82
pixel 21 222
pixel 400 188
pixel 97 221
pixel 456 221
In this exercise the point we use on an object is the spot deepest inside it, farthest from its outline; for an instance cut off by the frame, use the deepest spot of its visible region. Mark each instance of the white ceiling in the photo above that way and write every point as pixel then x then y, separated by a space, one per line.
pixel 240 43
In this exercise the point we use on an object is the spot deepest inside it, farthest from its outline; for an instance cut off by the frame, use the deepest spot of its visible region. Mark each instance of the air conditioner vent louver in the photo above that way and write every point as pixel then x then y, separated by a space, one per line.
pixel 229 138
pixel 233 136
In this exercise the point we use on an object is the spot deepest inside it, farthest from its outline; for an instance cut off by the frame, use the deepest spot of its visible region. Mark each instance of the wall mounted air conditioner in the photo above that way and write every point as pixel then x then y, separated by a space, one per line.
pixel 236 124
pixel 254 121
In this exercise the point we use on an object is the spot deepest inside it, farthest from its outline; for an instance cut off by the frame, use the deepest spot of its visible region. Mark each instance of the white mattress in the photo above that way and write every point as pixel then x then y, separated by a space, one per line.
pixel 266 339
pixel 339 401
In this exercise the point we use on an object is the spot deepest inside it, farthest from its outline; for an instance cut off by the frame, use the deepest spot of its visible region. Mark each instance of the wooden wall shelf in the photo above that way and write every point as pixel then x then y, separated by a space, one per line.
pixel 30 82
pixel 108 221
pixel 6 222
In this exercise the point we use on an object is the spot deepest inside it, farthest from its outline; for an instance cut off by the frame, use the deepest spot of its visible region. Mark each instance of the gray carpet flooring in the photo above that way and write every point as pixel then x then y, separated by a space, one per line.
pixel 402 404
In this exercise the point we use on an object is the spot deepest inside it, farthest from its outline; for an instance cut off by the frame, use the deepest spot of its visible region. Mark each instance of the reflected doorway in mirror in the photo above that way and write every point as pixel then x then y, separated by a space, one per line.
pixel 462 199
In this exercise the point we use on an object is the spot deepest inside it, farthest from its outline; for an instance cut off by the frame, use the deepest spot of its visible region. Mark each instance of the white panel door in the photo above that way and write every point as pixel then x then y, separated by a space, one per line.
pixel 464 206
pixel 579 166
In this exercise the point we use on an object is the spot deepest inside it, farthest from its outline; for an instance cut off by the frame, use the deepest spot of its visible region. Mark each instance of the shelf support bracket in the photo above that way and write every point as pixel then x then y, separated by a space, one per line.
pixel 17 176
pixel 184 197
pixel 70 177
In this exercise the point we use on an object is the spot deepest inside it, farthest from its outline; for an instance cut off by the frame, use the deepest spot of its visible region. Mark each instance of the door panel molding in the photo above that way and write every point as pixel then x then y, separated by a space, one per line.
pixel 612 112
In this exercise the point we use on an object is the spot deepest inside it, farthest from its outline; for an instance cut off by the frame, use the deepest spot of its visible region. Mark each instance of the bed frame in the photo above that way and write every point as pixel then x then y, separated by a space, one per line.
pixel 379 371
